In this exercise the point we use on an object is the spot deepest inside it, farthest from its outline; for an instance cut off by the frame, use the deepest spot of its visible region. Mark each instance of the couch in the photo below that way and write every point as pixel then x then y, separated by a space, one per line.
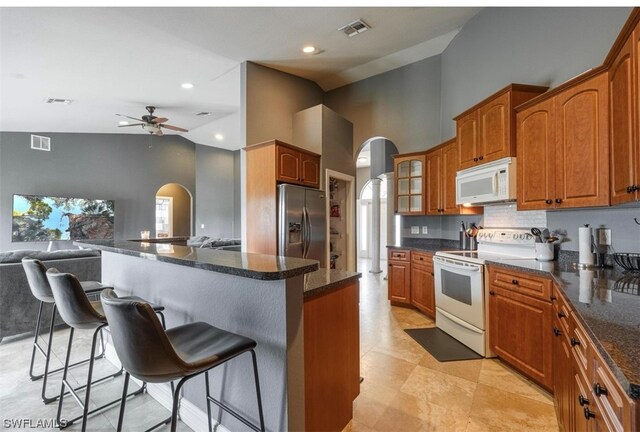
pixel 18 307
pixel 214 243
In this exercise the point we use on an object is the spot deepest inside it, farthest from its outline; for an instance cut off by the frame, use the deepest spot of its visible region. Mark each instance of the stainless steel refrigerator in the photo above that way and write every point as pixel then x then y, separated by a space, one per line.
pixel 302 223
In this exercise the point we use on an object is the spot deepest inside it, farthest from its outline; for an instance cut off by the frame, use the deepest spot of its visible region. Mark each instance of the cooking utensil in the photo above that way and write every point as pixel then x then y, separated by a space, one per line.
pixel 536 232
pixel 545 235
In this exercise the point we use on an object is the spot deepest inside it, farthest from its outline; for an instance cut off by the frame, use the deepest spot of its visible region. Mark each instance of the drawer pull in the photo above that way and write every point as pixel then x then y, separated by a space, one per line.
pixel 574 342
pixel 588 414
pixel 514 281
pixel 561 315
pixel 421 259
pixel 492 292
pixel 583 400
pixel 557 331
pixel 548 202
pixel 599 390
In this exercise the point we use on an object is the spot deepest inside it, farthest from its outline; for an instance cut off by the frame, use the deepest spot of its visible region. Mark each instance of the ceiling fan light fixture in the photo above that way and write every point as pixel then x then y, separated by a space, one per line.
pixel 219 136
pixel 186 85
pixel 123 122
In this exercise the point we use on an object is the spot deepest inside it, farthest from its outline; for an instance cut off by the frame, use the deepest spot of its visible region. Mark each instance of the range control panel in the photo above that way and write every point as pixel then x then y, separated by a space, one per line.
pixel 513 236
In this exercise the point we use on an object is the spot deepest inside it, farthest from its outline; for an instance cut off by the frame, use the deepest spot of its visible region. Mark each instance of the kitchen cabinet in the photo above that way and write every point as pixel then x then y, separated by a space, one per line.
pixel 442 165
pixel 486 132
pixel 269 164
pixel 520 323
pixel 297 166
pixel 562 368
pixel 409 183
pixel 423 283
pixel 399 276
pixel 563 147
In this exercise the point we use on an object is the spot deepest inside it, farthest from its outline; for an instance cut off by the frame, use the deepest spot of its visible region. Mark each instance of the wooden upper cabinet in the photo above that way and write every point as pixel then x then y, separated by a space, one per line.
pixel 297 166
pixel 486 132
pixel 434 182
pixel 536 157
pixel 409 183
pixel 621 109
pixel 450 165
pixel 467 133
pixel 495 127
pixel 582 144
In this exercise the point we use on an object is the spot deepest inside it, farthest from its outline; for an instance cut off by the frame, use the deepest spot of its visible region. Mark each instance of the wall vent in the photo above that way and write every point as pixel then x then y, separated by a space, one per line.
pixel 355 28
pixel 58 101
pixel 204 113
pixel 40 143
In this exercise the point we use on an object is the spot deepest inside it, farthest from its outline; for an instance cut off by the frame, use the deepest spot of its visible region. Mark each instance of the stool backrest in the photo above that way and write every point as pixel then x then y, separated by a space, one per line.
pixel 139 339
pixel 37 277
pixel 72 302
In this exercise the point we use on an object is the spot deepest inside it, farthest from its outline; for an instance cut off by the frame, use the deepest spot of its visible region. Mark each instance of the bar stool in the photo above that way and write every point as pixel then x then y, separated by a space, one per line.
pixel 39 285
pixel 152 354
pixel 79 312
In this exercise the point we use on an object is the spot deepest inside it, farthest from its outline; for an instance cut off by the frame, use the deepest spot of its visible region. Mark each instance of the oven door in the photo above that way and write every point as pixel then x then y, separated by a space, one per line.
pixel 460 289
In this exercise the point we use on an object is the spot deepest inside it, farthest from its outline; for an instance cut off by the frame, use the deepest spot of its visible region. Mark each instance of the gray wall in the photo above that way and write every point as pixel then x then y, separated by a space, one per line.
pixel 126 168
pixel 215 172
pixel 402 105
pixel 270 99
pixel 381 160
pixel 544 46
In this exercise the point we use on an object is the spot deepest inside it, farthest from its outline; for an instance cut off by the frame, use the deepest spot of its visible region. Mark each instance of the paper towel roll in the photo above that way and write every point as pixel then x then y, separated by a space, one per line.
pixel 584 246
pixel 586 286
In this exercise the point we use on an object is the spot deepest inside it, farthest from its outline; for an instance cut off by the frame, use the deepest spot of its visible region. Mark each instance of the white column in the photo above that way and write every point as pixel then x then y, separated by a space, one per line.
pixel 375 226
pixel 391 216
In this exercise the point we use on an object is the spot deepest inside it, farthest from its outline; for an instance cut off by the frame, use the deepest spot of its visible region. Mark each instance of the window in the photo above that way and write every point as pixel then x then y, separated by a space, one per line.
pixel 367 190
pixel 164 216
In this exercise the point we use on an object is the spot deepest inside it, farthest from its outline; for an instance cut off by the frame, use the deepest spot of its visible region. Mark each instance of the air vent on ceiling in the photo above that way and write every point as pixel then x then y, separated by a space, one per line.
pixel 355 28
pixel 40 143
pixel 58 101
pixel 204 113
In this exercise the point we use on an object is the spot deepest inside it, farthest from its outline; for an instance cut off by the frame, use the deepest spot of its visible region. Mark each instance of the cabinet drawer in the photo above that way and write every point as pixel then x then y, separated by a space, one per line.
pixel 422 258
pixel 580 344
pixel 562 312
pixel 615 407
pixel 399 255
pixel 524 284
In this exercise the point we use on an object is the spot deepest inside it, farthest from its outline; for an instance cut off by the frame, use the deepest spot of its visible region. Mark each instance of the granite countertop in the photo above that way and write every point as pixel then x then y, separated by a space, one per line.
pixel 325 279
pixel 607 304
pixel 426 244
pixel 253 266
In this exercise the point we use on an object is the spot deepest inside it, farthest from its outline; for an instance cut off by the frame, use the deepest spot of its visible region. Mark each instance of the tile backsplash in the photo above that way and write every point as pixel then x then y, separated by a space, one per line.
pixel 507 216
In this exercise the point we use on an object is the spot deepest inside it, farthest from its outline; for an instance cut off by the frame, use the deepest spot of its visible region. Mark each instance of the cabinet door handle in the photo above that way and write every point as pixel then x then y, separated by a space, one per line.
pixel 481 157
pixel 629 189
pixel 553 298
pixel 514 281
pixel 583 400
pixel 492 292
pixel 475 159
pixel 561 315
pixel 588 414
pixel 574 342
pixel 549 202
pixel 635 188
pixel 421 259
pixel 556 331
pixel 599 390
pixel 558 201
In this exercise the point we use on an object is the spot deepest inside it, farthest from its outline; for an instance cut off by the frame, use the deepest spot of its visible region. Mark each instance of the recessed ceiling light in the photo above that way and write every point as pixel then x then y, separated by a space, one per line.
pixel 309 50
pixel 219 137
pixel 186 85
pixel 123 122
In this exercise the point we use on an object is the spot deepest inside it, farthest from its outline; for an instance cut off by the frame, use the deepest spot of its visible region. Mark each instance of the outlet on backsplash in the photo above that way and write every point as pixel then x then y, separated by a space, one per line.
pixel 425 230
pixel 415 230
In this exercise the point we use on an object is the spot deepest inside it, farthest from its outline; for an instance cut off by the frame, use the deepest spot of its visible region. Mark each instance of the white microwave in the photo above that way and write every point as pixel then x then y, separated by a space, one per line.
pixel 493 182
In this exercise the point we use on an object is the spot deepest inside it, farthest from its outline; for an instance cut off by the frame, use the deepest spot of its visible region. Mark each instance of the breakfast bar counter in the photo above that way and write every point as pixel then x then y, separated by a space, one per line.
pixel 259 296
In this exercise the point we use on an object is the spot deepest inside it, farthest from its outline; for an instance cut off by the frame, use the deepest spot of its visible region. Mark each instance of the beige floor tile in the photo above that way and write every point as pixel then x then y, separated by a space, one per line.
pixel 432 417
pixel 497 374
pixel 440 389
pixel 356 426
pixel 467 369
pixel 385 369
pixel 498 410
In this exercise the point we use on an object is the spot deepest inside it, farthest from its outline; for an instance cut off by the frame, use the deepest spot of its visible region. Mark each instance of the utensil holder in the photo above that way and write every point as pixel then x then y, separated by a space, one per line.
pixel 544 251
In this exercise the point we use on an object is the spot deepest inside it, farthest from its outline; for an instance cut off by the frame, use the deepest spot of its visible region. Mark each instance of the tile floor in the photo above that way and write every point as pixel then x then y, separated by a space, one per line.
pixel 404 388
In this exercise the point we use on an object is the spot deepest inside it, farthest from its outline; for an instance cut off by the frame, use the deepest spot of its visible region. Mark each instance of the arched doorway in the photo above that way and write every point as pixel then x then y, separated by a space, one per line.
pixel 173 211
pixel 365 218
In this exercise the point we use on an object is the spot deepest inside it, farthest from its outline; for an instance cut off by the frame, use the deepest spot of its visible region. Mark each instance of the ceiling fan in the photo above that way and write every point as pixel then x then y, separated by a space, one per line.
pixel 152 124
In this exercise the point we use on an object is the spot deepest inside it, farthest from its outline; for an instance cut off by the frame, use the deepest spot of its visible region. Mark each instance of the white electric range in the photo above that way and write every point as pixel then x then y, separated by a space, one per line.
pixel 461 309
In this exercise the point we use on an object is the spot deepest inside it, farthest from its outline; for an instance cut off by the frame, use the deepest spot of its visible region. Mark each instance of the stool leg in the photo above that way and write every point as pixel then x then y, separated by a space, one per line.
pixel 176 400
pixel 46 399
pixel 255 374
pixel 206 383
pixel 64 376
pixel 85 411
pixel 35 343
pixel 124 401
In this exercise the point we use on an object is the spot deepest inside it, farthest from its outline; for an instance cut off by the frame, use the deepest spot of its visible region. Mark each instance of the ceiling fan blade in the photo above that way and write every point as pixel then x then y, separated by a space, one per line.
pixel 160 120
pixel 174 128
pixel 129 125
pixel 132 118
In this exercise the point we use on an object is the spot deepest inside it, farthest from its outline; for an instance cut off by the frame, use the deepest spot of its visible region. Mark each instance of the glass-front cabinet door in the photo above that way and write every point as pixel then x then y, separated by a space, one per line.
pixel 409 183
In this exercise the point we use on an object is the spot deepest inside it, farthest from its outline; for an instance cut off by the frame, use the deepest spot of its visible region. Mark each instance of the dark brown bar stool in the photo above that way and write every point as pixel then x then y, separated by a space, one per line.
pixel 39 285
pixel 153 354
pixel 79 312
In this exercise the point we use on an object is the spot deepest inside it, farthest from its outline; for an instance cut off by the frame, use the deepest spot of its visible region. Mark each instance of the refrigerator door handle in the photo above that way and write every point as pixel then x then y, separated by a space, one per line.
pixel 305 233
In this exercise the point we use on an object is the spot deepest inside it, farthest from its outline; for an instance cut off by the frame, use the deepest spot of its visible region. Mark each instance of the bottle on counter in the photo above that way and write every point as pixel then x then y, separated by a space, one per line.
pixel 463 236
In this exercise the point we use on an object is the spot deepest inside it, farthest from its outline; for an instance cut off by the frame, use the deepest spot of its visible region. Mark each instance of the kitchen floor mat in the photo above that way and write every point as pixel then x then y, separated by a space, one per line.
pixel 442 346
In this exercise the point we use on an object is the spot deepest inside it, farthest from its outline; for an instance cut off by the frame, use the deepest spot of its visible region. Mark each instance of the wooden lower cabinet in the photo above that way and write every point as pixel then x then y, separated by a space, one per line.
pixel 423 284
pixel 331 357
pixel 562 368
pixel 399 280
